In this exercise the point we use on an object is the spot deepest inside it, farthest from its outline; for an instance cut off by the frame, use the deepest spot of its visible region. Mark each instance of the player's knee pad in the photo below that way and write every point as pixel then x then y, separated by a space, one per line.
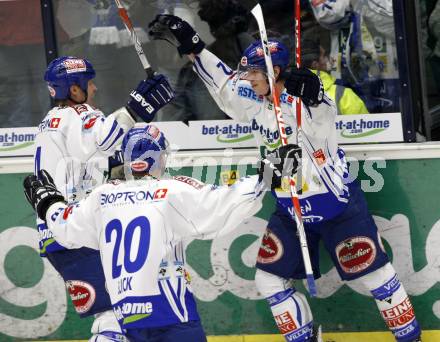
pixel 393 302
pixel 290 308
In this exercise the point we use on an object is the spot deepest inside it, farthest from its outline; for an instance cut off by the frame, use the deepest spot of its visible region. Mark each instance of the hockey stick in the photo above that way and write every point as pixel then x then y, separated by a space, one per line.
pixel 137 44
pixel 258 14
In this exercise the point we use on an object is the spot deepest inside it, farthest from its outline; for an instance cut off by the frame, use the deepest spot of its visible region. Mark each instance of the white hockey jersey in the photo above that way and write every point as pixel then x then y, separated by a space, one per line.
pixel 325 170
pixel 138 226
pixel 73 144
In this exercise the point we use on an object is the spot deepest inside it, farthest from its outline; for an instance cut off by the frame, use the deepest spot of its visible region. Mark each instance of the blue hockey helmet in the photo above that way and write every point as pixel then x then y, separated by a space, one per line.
pixel 253 58
pixel 145 150
pixel 66 71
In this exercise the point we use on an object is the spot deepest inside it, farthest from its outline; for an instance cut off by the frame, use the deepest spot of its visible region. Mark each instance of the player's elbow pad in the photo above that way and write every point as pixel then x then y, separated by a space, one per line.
pixel 110 136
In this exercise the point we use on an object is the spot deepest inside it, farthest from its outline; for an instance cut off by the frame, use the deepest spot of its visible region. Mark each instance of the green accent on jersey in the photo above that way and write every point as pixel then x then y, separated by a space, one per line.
pixel 134 318
pixel 274 145
pixel 45 244
pixel 360 135
pixel 16 147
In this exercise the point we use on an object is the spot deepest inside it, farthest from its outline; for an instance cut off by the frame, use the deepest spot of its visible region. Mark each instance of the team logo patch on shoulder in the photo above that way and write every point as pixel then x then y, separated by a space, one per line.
pixel 356 254
pixel 271 249
pixel 83 295
pixel 190 181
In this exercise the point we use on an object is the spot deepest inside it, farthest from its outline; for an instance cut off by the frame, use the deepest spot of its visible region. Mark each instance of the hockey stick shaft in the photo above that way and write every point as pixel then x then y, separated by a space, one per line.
pixel 137 44
pixel 258 14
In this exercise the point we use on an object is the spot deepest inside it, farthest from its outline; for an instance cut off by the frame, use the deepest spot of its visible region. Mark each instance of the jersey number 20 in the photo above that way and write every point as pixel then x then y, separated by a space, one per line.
pixel 140 223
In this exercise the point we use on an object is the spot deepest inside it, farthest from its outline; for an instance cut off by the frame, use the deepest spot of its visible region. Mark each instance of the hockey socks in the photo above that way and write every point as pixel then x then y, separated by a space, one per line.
pixel 394 304
pixel 292 315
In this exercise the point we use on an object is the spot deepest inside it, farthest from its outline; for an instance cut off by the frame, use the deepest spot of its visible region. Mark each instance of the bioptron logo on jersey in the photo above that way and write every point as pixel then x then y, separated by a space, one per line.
pixel 11 140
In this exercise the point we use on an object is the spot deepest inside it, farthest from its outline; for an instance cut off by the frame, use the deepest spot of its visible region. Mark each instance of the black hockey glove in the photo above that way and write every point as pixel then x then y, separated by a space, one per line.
pixel 277 164
pixel 41 193
pixel 305 84
pixel 150 96
pixel 177 32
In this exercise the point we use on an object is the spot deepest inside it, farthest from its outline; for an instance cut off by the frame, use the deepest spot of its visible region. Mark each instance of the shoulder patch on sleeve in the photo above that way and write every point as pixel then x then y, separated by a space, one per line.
pixel 190 181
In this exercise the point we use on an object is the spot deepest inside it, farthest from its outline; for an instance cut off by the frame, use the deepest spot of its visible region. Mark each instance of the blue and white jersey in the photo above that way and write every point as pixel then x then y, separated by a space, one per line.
pixel 324 168
pixel 73 144
pixel 139 227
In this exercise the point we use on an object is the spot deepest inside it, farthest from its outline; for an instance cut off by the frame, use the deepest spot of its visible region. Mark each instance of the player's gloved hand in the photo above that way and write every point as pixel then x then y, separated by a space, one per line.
pixel 305 84
pixel 177 32
pixel 277 164
pixel 41 193
pixel 150 96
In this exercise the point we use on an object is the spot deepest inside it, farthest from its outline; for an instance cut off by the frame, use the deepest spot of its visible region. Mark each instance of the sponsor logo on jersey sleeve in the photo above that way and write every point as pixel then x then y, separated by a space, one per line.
pixel 90 122
pixel 83 295
pixel 271 249
pixel 356 254
pixel 55 122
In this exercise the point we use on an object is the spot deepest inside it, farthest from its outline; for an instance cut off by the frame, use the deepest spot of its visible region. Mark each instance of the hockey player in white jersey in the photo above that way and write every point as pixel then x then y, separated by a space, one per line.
pixel 138 226
pixel 333 206
pixel 73 143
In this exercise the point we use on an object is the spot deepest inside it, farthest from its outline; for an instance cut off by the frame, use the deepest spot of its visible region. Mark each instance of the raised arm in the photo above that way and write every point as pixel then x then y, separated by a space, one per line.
pixel 214 73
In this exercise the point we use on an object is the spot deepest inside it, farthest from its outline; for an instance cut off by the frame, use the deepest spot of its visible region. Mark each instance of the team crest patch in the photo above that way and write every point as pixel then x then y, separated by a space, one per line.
pixel 244 61
pixel 83 295
pixel 356 254
pixel 271 249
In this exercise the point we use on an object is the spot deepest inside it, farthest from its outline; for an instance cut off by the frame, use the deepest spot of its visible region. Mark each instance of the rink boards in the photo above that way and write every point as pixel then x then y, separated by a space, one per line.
pixel 403 197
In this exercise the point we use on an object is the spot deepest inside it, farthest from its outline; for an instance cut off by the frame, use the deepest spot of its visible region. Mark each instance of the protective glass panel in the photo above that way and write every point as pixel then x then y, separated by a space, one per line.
pixel 23 94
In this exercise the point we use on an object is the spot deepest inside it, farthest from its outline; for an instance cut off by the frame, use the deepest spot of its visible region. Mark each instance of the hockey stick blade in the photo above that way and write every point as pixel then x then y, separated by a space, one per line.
pixel 134 38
